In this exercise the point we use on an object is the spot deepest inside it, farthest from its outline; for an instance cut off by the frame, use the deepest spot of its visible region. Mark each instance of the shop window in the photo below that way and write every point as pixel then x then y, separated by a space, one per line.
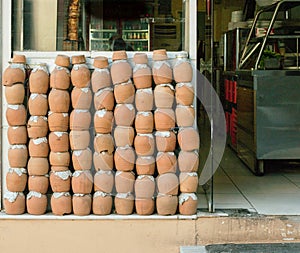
pixel 77 25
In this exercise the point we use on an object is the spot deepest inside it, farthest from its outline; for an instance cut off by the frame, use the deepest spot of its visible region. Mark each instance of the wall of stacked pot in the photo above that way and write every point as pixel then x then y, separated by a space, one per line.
pixel 101 135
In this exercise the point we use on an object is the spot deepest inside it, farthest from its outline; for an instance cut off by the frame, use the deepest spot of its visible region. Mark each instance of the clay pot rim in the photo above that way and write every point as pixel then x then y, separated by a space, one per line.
pixel 100 62
pixel 119 55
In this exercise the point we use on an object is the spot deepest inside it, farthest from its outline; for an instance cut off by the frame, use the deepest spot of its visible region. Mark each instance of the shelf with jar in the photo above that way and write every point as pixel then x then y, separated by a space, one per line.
pixel 136 34
pixel 99 36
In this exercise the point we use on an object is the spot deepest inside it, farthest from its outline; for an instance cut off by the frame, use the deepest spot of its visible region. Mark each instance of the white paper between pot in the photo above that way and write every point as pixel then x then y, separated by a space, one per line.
pixel 186 196
pixel 58 195
pixel 18 171
pixel 12 196
pixel 34 194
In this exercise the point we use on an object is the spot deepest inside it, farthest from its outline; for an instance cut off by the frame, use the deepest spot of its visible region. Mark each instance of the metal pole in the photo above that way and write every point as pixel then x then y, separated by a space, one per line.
pixel 211 201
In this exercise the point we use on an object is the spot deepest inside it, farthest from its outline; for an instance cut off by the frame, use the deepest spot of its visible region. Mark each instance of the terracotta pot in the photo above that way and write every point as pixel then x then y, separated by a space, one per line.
pixel 59 158
pixel 60 78
pixel 124 181
pixel 182 70
pixel 164 119
pixel 103 121
pixel 14 73
pixel 80 76
pixel 166 162
pixel 145 165
pixel 188 139
pixel 81 98
pixel 144 206
pixel 80 120
pixel 140 58
pixel 60 181
pixel 188 161
pixel 19 58
pixel 102 203
pixel 162 72
pixel 78 59
pixel 159 55
pixel 82 159
pixel 18 156
pixel 16 179
pixel 124 158
pixel 188 182
pixel 38 166
pixel 142 75
pixel 39 80
pixel 37 127
pixel 82 182
pixel 119 55
pixel 167 184
pixel 164 96
pixel 17 135
pixel 124 114
pixel 104 142
pixel 185 116
pixel 124 203
pixel 59 100
pixel 103 161
pixel 101 79
pixel 104 99
pixel 121 70
pixel 104 181
pixel 184 93
pixel 123 136
pixel 188 203
pixel 100 62
pixel 166 204
pixel 58 121
pixel 124 93
pixel 144 144
pixel 82 204
pixel 38 184
pixel 15 94
pixel 38 147
pixel 61 203
pixel 38 104
pixel 144 187
pixel 16 115
pixel 62 60
pixel 14 203
pixel 165 141
pixel 59 141
pixel 144 122
pixel 36 203
pixel 144 99
pixel 79 139
pixel 59 168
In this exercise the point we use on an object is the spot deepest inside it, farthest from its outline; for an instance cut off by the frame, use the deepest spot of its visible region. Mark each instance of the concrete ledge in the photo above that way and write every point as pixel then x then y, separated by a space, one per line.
pixel 50 216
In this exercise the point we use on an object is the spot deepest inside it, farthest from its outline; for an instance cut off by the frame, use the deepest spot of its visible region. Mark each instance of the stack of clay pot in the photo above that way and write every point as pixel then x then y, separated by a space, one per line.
pixel 73 20
pixel 80 121
pixel 124 114
pixel 188 137
pixel 58 119
pixel 16 179
pixel 104 103
pixel 144 142
pixel 38 164
pixel 164 118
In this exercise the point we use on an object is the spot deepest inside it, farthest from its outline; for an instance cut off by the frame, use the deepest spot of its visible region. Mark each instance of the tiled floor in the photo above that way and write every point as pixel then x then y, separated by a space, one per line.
pixel 236 187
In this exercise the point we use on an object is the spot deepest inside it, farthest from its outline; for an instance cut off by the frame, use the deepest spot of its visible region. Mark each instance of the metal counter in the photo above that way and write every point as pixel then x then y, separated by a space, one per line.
pixel 268 108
